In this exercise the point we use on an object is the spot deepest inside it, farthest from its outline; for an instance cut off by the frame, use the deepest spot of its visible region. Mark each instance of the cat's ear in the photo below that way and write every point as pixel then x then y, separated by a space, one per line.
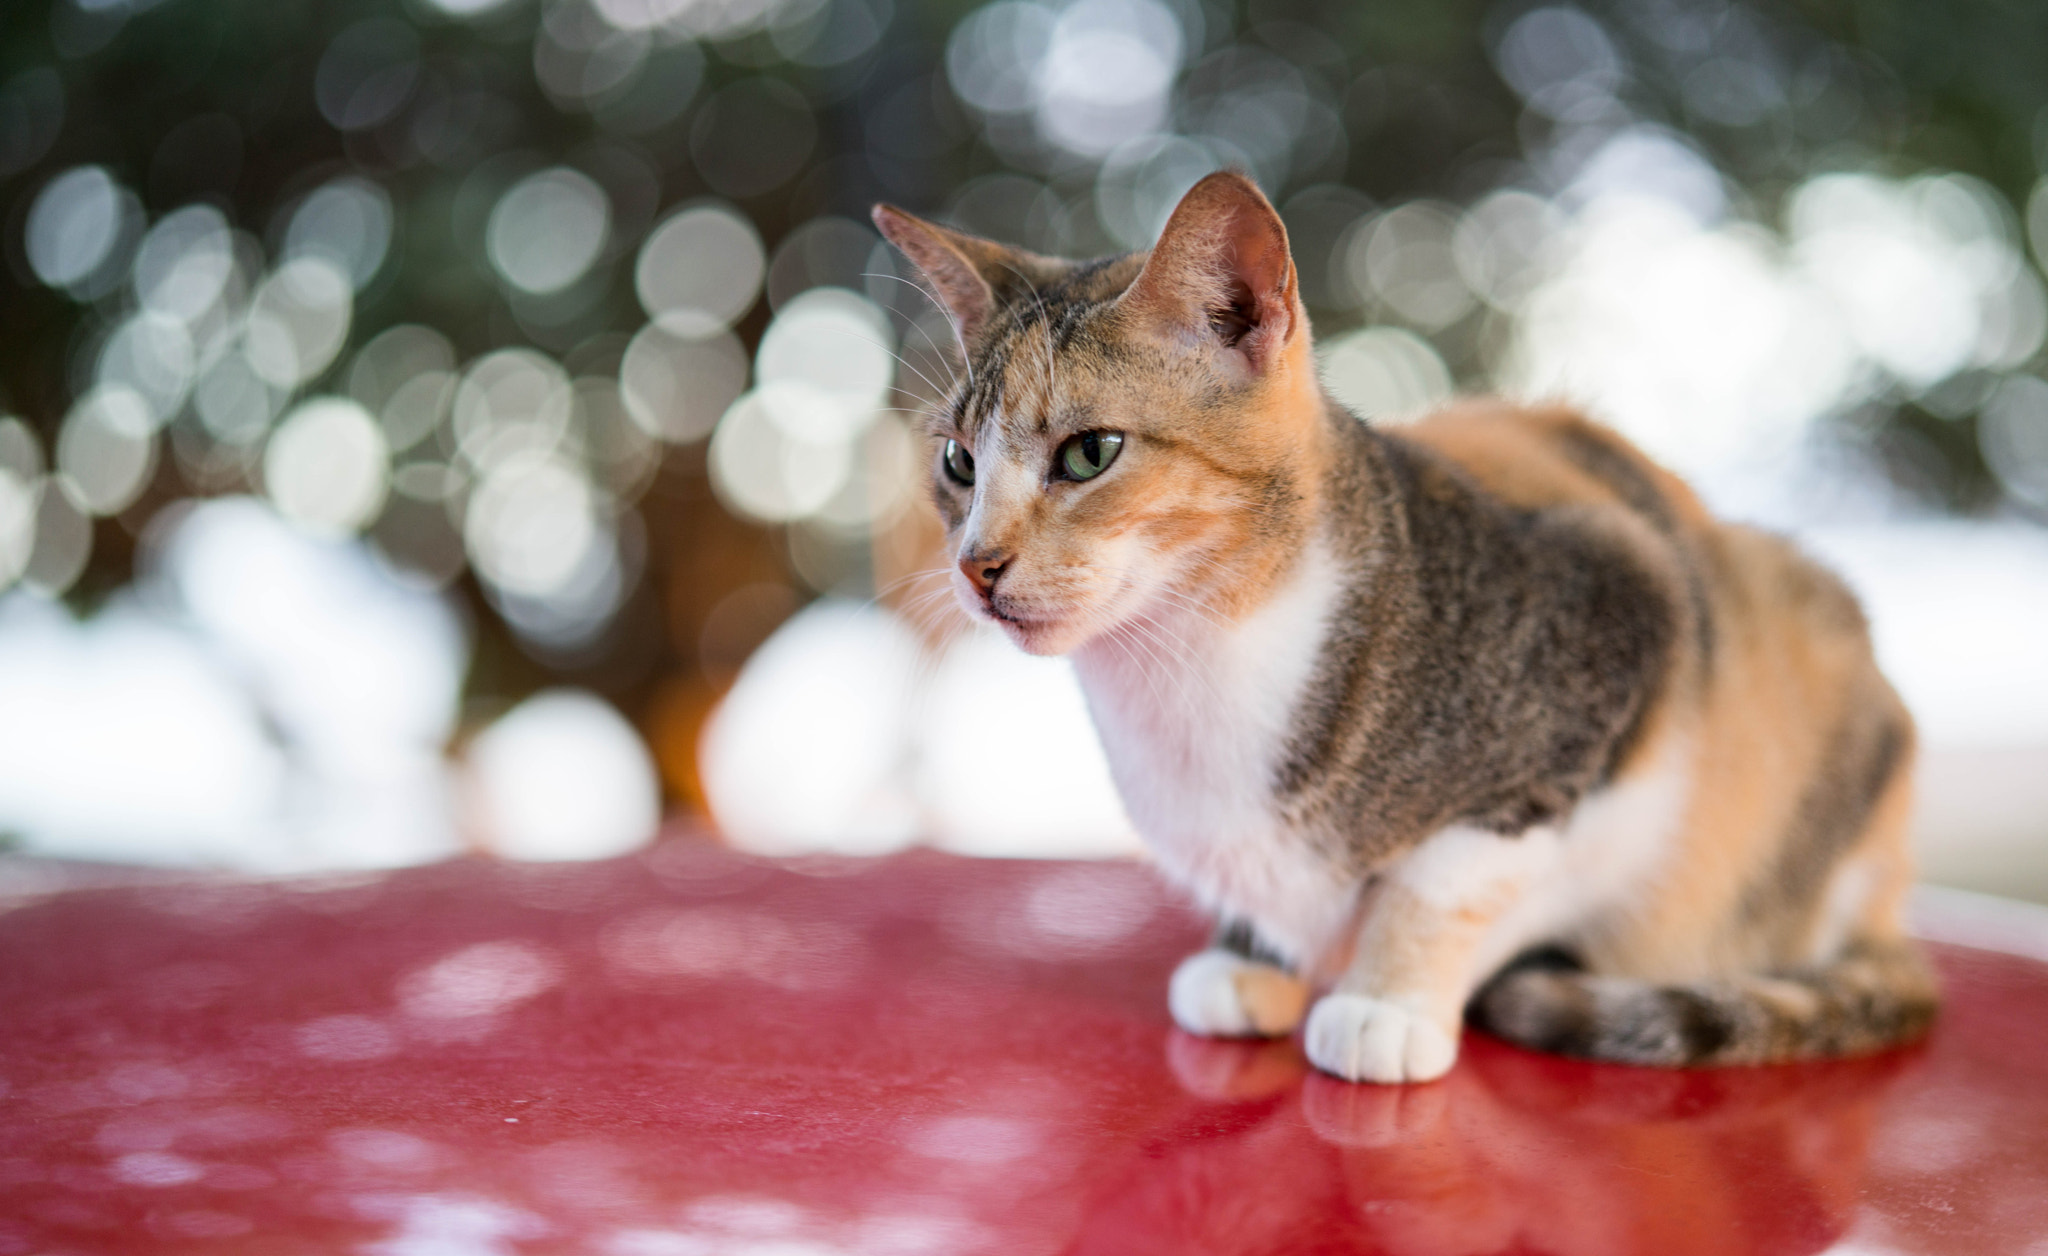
pixel 967 273
pixel 1221 272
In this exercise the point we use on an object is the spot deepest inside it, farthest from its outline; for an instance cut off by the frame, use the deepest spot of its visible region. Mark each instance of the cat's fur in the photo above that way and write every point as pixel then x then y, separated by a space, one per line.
pixel 1482 711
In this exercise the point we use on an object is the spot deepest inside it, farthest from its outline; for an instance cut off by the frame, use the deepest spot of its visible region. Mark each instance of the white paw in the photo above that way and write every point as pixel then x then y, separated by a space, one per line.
pixel 1363 1039
pixel 1205 997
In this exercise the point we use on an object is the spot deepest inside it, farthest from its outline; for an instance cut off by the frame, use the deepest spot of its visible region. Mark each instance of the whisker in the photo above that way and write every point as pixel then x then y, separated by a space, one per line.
pixel 906 363
pixel 938 305
pixel 925 573
pixel 922 291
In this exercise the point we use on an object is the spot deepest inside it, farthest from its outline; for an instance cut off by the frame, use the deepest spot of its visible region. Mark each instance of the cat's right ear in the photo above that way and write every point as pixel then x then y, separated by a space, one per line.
pixel 962 269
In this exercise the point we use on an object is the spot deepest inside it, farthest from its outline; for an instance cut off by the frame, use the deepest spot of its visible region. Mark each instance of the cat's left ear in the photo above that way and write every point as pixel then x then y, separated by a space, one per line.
pixel 1222 272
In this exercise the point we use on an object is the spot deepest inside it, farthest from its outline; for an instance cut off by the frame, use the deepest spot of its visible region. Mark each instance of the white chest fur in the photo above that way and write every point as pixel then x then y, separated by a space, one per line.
pixel 1194 717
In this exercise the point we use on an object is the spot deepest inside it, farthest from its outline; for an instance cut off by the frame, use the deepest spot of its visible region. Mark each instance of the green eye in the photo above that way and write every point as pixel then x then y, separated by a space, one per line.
pixel 959 463
pixel 1088 455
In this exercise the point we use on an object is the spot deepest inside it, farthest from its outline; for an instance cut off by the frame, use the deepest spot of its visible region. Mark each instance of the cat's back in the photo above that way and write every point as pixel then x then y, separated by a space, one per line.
pixel 1554 460
pixel 1537 457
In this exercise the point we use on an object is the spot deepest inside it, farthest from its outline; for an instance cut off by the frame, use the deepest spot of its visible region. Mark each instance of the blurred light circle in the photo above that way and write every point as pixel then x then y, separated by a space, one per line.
pixel 233 404
pixel 17 526
pixel 999 206
pixel 763 472
pixel 1253 100
pixel 107 449
pixel 2014 323
pixel 1106 73
pixel 1909 266
pixel 393 356
pixel 327 467
pixel 884 482
pixel 547 229
pixel 576 25
pixel 74 226
pixel 1554 57
pixel 829 34
pixel 1321 219
pixel 824 252
pixel 563 776
pixel 1142 181
pixel 656 95
pixel 752 136
pixel 63 542
pixel 151 354
pixel 348 222
pixel 406 377
pixel 1644 161
pixel 2012 432
pixel 812 415
pixel 367 74
pixel 1045 726
pixel 719 20
pixel 834 342
pixel 806 751
pixel 625 453
pixel 700 270
pixel 568 619
pixel 183 265
pixel 531 521
pixel 1385 372
pixel 641 15
pixel 1406 258
pixel 1733 91
pixel 510 403
pixel 2037 222
pixel 993 56
pixel 579 57
pixel 298 321
pixel 676 388
pixel 1702 345
pixel 20 451
pixel 417 408
pixel 1505 245
pixel 467 8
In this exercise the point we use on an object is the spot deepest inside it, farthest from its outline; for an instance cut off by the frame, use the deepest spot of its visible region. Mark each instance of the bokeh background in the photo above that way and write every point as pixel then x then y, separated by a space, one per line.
pixel 442 425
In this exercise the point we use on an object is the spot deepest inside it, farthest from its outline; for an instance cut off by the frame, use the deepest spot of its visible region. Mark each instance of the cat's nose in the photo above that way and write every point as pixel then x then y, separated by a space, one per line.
pixel 982 567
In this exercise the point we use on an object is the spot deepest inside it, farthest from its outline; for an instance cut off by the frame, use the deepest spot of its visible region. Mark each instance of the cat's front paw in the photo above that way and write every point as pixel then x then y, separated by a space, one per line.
pixel 1363 1039
pixel 1220 994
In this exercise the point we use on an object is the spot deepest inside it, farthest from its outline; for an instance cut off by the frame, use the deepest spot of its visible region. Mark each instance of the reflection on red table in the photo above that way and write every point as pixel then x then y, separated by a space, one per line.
pixel 689 1052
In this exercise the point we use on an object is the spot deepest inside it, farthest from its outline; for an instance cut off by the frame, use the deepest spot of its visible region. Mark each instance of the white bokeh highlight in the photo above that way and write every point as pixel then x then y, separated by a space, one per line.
pixel 547 230
pixel 562 776
pixel 843 734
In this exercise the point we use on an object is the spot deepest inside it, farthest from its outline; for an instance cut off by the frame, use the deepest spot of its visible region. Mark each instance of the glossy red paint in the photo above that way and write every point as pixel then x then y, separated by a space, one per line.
pixel 691 1052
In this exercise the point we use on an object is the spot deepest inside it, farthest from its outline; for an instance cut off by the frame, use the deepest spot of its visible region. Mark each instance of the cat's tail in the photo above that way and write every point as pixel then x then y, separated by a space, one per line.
pixel 1876 995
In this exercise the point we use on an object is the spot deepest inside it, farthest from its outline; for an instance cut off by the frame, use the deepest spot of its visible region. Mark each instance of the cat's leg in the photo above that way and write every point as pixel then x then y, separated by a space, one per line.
pixel 1236 988
pixel 1431 928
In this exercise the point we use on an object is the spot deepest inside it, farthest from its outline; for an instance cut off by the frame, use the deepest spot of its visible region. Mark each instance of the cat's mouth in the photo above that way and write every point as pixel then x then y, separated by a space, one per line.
pixel 1032 633
pixel 1017 621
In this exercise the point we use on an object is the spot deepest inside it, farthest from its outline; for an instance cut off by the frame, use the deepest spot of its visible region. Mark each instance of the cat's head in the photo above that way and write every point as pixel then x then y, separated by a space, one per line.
pixel 1135 436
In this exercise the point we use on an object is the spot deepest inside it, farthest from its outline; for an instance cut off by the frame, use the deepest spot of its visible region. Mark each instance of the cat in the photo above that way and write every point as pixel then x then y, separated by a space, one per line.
pixel 1481 715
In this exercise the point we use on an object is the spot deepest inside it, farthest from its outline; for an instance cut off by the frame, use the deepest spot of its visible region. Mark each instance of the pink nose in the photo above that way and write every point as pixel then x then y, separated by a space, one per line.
pixel 982 567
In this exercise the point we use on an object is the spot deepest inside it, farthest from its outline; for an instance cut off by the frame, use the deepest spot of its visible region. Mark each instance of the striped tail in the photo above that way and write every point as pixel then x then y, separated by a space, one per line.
pixel 1877 995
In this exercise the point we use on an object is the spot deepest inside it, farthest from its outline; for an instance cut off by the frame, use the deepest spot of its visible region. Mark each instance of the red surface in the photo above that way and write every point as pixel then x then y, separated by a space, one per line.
pixel 689 1052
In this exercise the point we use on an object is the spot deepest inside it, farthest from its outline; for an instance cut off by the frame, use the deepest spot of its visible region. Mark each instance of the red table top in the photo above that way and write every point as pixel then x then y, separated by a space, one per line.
pixel 689 1052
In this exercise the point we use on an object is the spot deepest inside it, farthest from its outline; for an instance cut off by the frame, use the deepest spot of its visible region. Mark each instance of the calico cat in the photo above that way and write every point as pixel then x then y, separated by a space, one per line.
pixel 1483 713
